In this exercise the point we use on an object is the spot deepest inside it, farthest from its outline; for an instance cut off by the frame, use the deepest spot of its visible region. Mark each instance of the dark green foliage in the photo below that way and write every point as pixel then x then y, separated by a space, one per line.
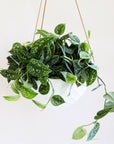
pixel 9 74
pixel 102 113
pixel 57 100
pixel 32 81
pixel 23 56
pixel 16 47
pixel 44 89
pixel 51 56
pixel 59 30
pixel 91 76
pixel 54 60
pixel 37 68
pixel 57 69
pixel 84 73
pixel 40 44
pixel 13 62
pixel 43 80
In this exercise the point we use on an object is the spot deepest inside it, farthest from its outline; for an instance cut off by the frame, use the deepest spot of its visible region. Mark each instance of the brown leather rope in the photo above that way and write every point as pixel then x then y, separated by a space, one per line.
pixel 43 15
pixel 37 20
pixel 84 28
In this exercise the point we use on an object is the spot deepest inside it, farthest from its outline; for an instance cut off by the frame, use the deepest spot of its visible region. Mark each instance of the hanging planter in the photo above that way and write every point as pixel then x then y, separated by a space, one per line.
pixel 53 68
pixel 49 65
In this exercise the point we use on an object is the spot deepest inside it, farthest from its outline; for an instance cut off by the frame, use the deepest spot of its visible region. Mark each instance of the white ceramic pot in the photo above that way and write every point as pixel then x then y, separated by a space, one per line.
pixel 61 88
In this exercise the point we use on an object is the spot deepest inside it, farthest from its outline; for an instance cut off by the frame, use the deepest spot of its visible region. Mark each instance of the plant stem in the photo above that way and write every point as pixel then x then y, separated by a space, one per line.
pixel 70 90
pixel 81 83
pixel 53 91
pixel 97 85
pixel 65 61
pixel 14 60
pixel 103 84
pixel 89 124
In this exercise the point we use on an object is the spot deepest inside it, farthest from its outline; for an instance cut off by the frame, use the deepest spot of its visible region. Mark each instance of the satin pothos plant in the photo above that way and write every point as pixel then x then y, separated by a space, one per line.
pixel 54 56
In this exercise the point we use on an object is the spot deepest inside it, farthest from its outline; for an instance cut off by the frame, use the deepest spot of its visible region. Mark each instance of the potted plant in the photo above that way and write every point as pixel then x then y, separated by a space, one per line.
pixel 51 61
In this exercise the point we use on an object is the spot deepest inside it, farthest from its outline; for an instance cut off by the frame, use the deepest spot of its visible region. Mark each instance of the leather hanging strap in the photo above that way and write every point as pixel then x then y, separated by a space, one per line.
pixel 37 20
pixel 43 15
pixel 84 28
pixel 39 11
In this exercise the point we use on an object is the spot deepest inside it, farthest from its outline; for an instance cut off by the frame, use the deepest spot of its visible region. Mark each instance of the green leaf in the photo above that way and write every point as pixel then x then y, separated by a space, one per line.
pixel 47 55
pixel 13 62
pixel 93 66
pixel 54 60
pixel 79 133
pixel 109 104
pixel 28 93
pixel 43 80
pixel 69 78
pixel 37 68
pixel 93 132
pixel 12 98
pixel 16 47
pixel 80 71
pixel 89 34
pixel 40 44
pixel 109 96
pixel 9 74
pixel 102 113
pixel 14 89
pixel 66 36
pixel 18 85
pixel 84 55
pixel 74 38
pixel 91 76
pixel 44 89
pixel 27 85
pixel 27 44
pixel 84 47
pixel 39 104
pixel 60 29
pixel 67 59
pixel 33 82
pixel 69 50
pixel 44 33
pixel 23 56
pixel 57 100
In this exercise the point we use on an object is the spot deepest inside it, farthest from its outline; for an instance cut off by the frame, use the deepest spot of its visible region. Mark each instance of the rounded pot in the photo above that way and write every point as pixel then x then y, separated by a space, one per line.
pixel 61 88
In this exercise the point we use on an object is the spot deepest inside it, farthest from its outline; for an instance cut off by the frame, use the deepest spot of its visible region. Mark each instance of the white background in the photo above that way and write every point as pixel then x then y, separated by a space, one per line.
pixel 22 122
